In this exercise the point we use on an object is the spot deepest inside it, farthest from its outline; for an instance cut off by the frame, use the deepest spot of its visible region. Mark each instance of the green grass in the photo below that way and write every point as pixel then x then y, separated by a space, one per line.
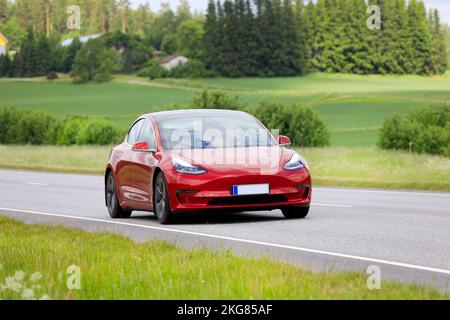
pixel 347 167
pixel 353 107
pixel 374 168
pixel 113 267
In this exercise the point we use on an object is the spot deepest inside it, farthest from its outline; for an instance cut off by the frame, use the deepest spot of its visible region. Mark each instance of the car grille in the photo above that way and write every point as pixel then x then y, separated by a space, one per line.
pixel 244 200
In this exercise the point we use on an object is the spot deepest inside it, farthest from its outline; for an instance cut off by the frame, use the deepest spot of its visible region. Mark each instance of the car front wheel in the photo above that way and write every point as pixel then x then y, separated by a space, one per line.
pixel 296 212
pixel 161 204
pixel 114 208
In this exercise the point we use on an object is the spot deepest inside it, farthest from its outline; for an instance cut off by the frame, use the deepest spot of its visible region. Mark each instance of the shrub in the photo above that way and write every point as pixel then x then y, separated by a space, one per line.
pixel 97 132
pixel 216 100
pixel 22 126
pixel 52 75
pixel 425 130
pixel 8 119
pixel 153 71
pixel 303 125
pixel 68 134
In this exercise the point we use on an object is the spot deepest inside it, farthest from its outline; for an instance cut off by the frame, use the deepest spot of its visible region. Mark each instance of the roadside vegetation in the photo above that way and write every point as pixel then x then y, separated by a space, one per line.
pixel 346 167
pixel 37 127
pixel 425 130
pixel 158 270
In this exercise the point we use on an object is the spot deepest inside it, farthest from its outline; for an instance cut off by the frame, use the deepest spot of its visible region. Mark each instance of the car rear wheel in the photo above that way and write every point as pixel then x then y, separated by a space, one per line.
pixel 161 204
pixel 296 212
pixel 114 208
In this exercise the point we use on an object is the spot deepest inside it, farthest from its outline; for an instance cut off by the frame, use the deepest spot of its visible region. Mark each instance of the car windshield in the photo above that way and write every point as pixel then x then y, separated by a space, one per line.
pixel 213 133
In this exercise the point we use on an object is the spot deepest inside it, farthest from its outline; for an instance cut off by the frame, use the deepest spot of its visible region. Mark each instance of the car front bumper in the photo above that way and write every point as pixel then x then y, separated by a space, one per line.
pixel 213 192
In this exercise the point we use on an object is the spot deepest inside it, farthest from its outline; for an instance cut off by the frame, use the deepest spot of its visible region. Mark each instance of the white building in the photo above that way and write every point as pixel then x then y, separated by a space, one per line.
pixel 3 43
pixel 173 61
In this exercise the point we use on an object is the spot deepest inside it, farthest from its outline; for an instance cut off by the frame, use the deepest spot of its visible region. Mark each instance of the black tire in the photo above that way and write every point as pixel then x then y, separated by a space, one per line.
pixel 296 212
pixel 161 203
pixel 112 202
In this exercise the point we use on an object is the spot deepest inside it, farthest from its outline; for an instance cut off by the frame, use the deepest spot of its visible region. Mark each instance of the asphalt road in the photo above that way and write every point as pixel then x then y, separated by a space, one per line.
pixel 405 234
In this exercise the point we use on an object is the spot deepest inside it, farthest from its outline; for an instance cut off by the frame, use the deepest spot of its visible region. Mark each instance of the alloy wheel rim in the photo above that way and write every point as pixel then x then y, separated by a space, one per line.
pixel 110 193
pixel 160 199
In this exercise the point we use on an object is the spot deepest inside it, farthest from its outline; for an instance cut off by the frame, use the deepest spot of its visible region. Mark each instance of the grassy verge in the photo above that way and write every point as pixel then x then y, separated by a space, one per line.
pixel 113 267
pixel 375 168
pixel 346 167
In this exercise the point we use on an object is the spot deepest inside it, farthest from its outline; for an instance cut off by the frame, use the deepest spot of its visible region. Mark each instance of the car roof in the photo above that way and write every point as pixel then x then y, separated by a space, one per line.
pixel 160 116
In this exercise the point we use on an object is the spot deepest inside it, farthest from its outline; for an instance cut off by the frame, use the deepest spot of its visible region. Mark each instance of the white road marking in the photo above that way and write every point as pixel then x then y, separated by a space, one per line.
pixel 37 184
pixel 261 243
pixel 424 193
pixel 331 205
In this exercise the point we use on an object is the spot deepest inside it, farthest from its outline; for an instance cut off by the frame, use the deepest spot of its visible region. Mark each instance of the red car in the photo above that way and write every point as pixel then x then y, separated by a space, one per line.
pixel 199 160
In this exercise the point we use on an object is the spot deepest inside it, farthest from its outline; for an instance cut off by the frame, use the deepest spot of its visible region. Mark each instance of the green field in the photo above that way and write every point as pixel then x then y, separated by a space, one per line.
pixel 354 107
pixel 348 167
pixel 158 270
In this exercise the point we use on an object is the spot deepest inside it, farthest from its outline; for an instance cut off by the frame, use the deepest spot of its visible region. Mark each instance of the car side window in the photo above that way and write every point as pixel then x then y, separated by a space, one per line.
pixel 148 134
pixel 133 134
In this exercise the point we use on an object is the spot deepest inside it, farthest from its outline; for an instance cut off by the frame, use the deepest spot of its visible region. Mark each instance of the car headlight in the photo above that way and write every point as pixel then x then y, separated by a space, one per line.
pixel 182 166
pixel 297 162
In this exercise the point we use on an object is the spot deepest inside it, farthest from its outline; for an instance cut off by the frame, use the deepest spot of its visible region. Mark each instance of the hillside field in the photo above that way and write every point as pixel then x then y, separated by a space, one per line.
pixel 354 107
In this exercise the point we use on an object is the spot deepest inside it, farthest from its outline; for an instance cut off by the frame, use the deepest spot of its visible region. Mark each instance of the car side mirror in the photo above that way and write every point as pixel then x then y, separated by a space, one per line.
pixel 142 147
pixel 284 141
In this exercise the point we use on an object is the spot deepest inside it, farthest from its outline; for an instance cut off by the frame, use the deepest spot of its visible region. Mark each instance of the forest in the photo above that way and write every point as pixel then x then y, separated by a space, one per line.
pixel 234 38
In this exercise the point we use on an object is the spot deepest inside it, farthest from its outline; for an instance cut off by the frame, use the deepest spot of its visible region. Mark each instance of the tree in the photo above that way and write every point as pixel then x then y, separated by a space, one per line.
pixel 189 38
pixel 26 60
pixel 69 55
pixel 210 37
pixel 439 54
pixel 5 66
pixel 44 56
pixel 95 62
pixel 228 57
pixel 420 38
pixel 15 32
pixel 183 12
pixel 124 6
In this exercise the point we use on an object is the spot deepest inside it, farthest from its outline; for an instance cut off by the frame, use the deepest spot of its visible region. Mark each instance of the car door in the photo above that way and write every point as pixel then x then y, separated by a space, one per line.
pixel 143 167
pixel 128 170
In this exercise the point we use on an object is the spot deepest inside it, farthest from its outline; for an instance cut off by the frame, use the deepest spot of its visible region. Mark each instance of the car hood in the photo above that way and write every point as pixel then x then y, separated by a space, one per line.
pixel 258 160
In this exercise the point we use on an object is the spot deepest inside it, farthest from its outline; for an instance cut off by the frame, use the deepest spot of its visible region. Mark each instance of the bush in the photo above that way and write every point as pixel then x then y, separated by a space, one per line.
pixel 52 75
pixel 154 71
pixel 22 126
pixel 8 119
pixel 216 100
pixel 97 132
pixel 303 125
pixel 425 130
pixel 68 134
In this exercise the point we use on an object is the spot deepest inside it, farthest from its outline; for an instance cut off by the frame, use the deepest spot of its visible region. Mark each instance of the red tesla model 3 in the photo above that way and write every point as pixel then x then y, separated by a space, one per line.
pixel 196 160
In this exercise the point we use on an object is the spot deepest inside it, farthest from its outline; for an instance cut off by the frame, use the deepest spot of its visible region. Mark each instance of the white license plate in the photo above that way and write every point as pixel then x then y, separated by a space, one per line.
pixel 251 189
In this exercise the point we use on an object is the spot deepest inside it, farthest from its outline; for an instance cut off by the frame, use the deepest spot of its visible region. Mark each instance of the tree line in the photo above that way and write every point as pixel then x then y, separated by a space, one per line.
pixel 283 37
pixel 235 38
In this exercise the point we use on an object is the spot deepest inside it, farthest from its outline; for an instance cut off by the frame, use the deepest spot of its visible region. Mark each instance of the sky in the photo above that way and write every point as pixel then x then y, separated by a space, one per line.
pixel 200 5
